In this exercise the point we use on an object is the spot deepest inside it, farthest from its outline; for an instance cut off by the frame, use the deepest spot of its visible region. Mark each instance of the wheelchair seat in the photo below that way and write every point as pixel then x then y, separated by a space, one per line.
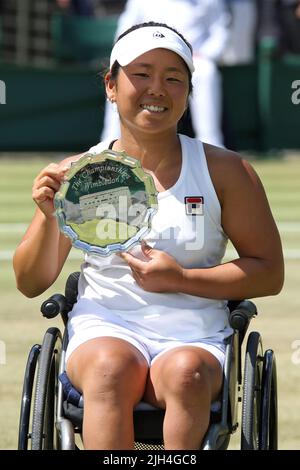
pixel 57 409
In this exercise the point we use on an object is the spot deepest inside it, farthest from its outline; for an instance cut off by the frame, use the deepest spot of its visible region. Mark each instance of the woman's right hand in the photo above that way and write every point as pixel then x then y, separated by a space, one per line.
pixel 46 184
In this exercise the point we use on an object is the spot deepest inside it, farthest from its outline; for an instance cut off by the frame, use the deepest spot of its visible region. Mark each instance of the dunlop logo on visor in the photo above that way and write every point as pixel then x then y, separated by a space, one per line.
pixel 157 34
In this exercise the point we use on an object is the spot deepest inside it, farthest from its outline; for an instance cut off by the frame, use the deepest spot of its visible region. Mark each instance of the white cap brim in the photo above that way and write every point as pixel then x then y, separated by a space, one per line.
pixel 147 38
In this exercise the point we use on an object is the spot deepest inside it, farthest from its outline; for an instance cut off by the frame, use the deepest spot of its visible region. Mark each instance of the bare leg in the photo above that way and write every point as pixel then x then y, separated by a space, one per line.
pixel 111 374
pixel 184 381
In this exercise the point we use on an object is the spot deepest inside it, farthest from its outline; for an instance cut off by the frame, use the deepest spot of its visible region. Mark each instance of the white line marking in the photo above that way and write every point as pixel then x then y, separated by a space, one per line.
pixel 7 255
pixel 289 254
pixel 21 227
pixel 288 227
pixel 13 228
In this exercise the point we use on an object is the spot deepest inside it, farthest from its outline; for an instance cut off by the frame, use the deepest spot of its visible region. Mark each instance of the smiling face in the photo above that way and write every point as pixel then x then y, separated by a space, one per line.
pixel 151 92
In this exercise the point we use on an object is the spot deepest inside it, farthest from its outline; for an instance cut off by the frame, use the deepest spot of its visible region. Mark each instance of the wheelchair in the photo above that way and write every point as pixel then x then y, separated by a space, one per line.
pixel 49 420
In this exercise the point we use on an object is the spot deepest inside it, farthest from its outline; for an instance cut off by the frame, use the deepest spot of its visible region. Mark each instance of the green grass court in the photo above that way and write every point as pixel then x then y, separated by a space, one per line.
pixel 21 324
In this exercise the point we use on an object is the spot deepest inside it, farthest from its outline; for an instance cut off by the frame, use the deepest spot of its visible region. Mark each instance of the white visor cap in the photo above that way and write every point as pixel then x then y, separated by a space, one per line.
pixel 147 38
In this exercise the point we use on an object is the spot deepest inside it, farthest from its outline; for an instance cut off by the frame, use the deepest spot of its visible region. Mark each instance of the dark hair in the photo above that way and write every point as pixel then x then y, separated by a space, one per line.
pixel 116 66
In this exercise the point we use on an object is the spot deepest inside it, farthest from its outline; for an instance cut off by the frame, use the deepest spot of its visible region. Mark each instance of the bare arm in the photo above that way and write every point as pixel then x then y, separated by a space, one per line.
pixel 247 219
pixel 249 224
pixel 43 250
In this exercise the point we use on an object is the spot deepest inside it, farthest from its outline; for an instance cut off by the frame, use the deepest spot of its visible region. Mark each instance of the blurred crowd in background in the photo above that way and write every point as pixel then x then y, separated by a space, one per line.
pixel 229 33
pixel 220 32
pixel 28 23
pixel 250 21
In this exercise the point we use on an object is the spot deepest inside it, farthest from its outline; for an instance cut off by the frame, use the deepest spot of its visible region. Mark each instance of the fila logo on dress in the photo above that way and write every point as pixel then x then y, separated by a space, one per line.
pixel 194 205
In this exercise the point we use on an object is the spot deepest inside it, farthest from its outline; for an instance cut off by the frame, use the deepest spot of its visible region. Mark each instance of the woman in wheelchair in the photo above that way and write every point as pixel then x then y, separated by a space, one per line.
pixel 151 323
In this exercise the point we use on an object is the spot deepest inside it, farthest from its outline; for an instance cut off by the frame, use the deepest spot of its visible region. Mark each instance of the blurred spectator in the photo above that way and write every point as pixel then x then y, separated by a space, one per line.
pixel 280 20
pixel 204 23
pixel 78 7
pixel 242 38
pixel 91 7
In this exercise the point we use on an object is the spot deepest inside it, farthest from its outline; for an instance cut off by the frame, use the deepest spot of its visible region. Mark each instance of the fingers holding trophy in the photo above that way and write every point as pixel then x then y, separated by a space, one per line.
pixel 106 203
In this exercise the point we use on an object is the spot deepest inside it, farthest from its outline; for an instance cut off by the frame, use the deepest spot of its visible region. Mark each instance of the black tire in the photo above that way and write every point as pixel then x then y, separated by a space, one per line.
pixel 43 421
pixel 25 412
pixel 252 393
pixel 269 416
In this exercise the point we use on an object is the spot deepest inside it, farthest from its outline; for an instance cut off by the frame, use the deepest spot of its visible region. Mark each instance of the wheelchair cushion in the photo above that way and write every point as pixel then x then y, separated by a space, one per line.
pixel 71 394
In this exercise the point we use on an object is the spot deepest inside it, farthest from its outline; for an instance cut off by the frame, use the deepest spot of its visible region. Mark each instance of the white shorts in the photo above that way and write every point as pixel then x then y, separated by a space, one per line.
pixel 83 327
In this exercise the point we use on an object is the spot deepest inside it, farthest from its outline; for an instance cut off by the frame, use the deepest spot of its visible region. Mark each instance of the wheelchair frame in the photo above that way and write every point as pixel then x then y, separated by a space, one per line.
pixel 51 423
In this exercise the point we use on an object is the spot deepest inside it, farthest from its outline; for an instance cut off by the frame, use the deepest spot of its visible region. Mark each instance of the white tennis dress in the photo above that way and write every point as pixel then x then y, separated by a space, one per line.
pixel 187 226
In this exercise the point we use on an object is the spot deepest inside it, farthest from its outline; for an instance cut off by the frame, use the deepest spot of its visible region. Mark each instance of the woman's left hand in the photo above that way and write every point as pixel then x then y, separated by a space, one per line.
pixel 160 273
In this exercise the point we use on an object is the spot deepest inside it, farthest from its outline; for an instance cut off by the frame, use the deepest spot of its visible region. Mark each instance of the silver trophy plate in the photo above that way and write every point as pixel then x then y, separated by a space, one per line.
pixel 106 202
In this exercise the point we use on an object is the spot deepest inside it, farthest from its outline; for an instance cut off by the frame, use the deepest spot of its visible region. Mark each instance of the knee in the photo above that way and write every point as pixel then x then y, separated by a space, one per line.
pixel 107 368
pixel 184 376
pixel 111 372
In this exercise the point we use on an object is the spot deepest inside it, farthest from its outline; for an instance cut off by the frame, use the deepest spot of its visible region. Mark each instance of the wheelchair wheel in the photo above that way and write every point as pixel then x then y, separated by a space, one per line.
pixel 252 387
pixel 269 419
pixel 43 421
pixel 27 396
